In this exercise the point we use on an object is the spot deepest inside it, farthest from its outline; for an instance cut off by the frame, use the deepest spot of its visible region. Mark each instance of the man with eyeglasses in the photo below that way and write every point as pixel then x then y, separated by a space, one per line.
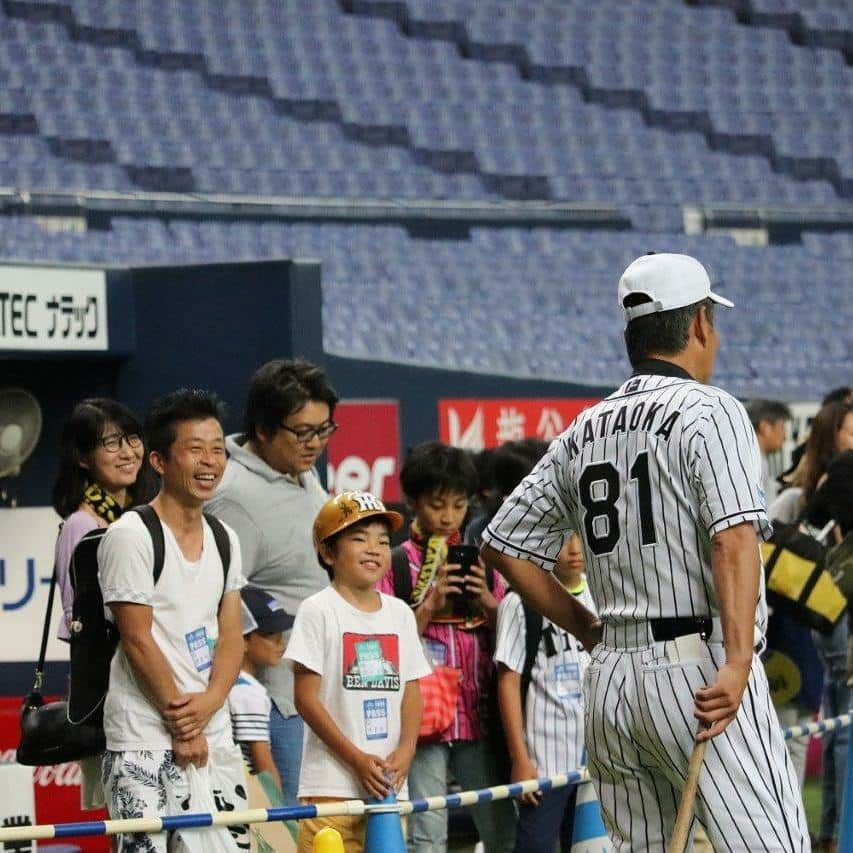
pixel 270 494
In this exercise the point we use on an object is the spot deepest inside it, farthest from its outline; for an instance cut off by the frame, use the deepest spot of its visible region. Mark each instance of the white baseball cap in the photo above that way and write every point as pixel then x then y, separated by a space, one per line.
pixel 670 281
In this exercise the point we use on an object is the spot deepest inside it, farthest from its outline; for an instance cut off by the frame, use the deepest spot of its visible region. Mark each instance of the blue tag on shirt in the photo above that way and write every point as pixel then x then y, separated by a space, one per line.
pixel 436 651
pixel 567 680
pixel 199 649
pixel 376 719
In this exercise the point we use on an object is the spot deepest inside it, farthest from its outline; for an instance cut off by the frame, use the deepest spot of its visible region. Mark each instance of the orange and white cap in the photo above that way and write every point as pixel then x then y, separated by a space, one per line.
pixel 346 509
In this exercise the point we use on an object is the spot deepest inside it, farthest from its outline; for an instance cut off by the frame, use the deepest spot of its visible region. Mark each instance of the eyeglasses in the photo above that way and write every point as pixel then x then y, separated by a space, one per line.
pixel 305 434
pixel 112 443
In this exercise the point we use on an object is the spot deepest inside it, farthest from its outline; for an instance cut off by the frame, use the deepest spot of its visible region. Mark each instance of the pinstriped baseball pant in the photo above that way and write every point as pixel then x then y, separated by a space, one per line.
pixel 640 731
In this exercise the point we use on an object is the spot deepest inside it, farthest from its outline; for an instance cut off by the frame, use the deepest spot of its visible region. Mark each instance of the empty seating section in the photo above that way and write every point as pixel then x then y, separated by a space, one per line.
pixel 821 23
pixel 290 97
pixel 645 105
pixel 748 81
pixel 538 302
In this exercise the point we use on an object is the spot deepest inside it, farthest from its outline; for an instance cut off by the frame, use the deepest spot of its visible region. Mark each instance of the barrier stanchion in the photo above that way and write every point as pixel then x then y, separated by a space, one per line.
pixel 845 832
pixel 588 832
pixel 384 832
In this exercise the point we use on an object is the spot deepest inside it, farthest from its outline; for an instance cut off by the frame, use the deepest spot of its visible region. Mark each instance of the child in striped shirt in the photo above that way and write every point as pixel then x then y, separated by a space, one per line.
pixel 264 622
pixel 539 693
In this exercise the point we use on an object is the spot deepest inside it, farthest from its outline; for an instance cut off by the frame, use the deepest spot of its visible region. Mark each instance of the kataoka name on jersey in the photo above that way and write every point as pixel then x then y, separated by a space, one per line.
pixel 645 418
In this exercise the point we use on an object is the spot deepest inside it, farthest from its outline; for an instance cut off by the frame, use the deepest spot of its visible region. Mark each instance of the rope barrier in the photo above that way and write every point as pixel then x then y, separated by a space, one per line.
pixel 346 807
pixel 335 809
pixel 498 792
pixel 818 727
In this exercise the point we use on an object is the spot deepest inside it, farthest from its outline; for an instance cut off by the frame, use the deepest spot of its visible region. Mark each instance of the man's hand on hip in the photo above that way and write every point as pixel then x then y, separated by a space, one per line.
pixel 717 705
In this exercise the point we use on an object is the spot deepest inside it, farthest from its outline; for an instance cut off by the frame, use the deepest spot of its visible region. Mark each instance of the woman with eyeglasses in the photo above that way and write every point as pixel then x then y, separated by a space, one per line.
pixel 101 469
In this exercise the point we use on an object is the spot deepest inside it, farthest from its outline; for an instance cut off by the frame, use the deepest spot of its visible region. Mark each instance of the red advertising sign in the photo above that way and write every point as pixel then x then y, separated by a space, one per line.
pixel 478 424
pixel 57 788
pixel 364 453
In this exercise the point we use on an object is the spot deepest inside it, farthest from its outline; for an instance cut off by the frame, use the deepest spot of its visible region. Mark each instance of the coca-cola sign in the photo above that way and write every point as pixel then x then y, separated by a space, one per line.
pixel 57 787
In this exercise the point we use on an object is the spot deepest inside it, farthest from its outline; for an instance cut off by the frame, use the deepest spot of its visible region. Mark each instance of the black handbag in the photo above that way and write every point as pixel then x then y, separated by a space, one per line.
pixel 47 735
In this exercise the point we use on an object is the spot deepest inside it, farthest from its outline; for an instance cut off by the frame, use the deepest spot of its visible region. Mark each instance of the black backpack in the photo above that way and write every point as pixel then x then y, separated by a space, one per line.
pixel 94 638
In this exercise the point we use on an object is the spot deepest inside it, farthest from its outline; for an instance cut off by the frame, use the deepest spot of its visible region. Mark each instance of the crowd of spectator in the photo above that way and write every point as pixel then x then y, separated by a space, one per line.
pixel 199 641
pixel 815 494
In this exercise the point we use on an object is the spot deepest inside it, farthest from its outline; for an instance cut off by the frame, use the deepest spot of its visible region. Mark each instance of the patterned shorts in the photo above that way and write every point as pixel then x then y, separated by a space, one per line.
pixel 147 783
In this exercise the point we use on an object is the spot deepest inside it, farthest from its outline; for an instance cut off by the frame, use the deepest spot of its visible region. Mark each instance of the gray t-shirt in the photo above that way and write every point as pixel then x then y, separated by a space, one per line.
pixel 273 515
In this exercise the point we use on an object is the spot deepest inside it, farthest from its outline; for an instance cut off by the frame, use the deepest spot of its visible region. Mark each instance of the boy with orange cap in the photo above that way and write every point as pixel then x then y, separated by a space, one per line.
pixel 357 658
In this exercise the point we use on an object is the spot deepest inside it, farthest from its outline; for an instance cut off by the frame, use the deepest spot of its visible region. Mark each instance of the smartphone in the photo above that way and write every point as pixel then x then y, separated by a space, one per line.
pixel 465 556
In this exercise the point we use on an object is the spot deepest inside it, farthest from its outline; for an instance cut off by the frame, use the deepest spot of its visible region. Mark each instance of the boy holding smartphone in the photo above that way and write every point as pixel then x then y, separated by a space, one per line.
pixel 438 481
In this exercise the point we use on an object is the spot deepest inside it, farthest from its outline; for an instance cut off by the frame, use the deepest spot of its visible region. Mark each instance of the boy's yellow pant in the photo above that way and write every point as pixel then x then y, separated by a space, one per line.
pixel 351 828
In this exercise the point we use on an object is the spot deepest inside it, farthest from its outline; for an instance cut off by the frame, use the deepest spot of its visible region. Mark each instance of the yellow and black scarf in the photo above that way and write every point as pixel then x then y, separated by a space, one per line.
pixel 434 550
pixel 102 503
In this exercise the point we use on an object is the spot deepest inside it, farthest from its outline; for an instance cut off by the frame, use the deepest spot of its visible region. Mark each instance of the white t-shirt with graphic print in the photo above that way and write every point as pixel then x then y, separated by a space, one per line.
pixel 185 607
pixel 365 661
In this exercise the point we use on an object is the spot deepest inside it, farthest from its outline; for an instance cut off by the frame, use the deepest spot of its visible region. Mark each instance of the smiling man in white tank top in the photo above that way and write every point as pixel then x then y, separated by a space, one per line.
pixel 181 640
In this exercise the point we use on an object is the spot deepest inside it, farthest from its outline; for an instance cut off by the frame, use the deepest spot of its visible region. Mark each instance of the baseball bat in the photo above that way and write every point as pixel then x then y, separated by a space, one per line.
pixel 688 796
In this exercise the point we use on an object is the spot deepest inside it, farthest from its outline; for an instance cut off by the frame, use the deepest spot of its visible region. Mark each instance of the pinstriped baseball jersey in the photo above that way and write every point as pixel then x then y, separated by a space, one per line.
pixel 646 477
pixel 553 711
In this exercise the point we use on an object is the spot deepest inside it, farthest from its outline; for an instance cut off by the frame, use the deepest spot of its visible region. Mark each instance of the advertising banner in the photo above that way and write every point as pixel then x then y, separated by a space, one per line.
pixel 364 453
pixel 27 538
pixel 45 308
pixel 478 424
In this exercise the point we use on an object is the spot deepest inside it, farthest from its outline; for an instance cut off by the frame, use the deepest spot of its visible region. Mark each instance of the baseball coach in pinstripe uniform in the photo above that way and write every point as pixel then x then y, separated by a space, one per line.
pixel 662 481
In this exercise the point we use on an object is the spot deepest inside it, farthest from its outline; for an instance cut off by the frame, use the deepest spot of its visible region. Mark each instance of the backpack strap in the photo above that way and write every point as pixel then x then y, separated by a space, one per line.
pixel 223 545
pixel 155 529
pixel 402 574
pixel 532 635
pixel 31 700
